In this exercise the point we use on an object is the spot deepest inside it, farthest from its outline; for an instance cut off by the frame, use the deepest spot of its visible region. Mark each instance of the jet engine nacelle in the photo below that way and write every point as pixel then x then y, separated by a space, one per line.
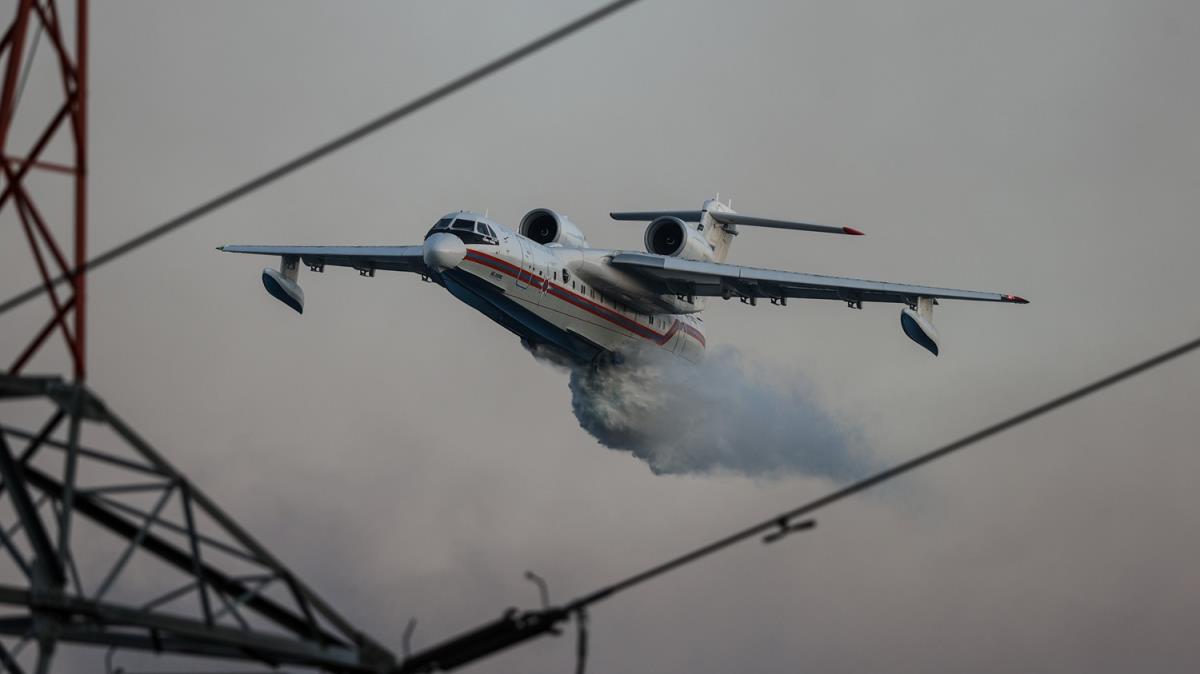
pixel 547 227
pixel 673 237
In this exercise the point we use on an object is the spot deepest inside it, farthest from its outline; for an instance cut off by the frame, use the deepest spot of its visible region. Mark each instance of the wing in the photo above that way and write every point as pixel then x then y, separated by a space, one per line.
pixel 369 258
pixel 283 284
pixel 713 279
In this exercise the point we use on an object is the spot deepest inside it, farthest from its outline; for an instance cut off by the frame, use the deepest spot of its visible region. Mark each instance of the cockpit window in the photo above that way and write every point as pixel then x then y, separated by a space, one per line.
pixel 466 229
pixel 486 232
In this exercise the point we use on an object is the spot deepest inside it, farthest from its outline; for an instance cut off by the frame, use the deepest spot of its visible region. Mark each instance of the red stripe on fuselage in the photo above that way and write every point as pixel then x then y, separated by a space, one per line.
pixel 582 302
pixel 699 336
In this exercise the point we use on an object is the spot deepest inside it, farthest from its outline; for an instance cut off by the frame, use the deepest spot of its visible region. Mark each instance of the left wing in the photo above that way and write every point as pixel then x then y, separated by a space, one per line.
pixel 282 283
pixel 715 279
pixel 388 258
pixel 674 276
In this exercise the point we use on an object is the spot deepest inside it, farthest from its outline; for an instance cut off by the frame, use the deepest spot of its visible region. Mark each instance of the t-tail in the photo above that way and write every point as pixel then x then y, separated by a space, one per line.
pixel 707 234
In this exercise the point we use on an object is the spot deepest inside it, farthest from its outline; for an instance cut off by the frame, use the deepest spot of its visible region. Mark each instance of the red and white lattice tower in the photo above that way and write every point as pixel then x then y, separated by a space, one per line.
pixel 57 247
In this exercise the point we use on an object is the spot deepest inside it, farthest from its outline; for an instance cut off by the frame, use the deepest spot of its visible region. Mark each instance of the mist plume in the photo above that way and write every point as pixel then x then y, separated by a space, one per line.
pixel 724 414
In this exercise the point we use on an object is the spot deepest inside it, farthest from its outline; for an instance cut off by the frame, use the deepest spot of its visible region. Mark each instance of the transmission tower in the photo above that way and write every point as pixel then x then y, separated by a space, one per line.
pixel 104 542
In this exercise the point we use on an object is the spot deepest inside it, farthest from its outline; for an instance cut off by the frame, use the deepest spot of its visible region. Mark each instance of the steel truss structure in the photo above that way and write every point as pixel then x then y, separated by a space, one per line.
pixel 66 125
pixel 201 585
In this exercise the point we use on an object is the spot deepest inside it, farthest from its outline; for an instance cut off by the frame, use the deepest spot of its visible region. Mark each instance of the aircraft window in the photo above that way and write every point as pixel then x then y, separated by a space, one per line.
pixel 555 276
pixel 566 277
pixel 467 225
pixel 439 226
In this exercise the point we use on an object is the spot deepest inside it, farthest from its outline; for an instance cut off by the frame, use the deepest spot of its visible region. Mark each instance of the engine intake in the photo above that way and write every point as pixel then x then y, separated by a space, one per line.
pixel 548 227
pixel 672 237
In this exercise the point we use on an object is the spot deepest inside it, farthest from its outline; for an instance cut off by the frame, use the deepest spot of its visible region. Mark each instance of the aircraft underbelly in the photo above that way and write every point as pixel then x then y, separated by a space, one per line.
pixel 543 312
pixel 513 315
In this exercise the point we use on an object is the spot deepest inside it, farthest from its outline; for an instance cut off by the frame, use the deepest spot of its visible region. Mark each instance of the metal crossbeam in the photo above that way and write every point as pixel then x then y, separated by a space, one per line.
pixel 47 566
pixel 86 621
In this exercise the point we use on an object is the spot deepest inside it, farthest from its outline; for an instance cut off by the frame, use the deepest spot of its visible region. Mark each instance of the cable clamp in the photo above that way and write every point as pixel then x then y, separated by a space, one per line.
pixel 786 528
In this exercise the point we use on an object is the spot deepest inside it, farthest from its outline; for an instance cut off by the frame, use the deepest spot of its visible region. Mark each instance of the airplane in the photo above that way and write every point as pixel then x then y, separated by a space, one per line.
pixel 544 283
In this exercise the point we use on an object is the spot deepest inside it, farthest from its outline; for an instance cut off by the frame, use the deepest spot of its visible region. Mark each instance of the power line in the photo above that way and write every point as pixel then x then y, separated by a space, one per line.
pixel 329 147
pixel 783 522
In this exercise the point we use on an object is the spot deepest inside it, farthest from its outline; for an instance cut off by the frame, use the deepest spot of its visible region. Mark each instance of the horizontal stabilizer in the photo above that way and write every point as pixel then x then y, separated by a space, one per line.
pixel 729 218
pixel 647 216
pixel 751 221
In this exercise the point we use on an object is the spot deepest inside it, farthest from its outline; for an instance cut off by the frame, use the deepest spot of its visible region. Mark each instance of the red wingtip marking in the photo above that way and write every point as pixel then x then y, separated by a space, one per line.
pixel 1016 299
pixel 852 231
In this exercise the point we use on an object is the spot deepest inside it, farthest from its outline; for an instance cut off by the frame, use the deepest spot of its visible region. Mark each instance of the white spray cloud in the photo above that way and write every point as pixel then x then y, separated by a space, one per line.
pixel 725 414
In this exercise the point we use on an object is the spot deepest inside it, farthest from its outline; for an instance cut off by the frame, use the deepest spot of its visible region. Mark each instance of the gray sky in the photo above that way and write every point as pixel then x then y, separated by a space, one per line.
pixel 410 459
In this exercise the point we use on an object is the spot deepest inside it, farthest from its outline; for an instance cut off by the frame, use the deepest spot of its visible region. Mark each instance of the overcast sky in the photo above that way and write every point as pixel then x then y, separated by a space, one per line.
pixel 409 458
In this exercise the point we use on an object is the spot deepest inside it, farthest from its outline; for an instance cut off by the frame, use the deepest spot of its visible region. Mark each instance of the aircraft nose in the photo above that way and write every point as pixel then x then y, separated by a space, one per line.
pixel 443 251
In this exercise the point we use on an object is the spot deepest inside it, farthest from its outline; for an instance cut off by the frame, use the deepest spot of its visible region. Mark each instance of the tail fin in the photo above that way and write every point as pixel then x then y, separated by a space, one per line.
pixel 719 235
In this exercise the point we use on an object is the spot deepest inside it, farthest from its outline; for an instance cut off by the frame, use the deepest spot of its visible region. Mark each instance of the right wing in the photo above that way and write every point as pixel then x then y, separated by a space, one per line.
pixel 671 275
pixel 368 258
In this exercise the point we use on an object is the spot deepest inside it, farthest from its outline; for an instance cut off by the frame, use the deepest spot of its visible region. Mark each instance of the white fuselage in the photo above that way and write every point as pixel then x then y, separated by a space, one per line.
pixel 572 290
